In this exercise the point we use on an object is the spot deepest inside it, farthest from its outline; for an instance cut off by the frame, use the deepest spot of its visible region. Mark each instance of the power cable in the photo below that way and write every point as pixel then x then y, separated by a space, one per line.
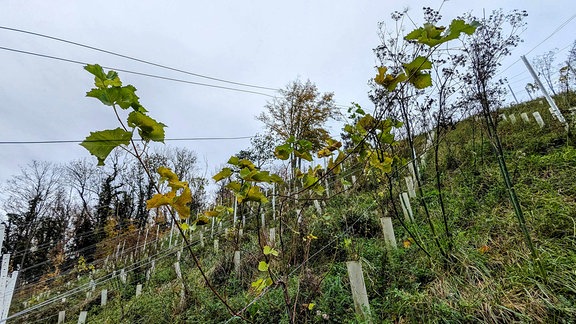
pixel 135 59
pixel 167 139
pixel 135 73
pixel 545 39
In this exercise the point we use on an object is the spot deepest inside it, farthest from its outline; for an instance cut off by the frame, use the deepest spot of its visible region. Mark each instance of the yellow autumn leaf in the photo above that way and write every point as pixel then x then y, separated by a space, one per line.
pixel 483 249
pixel 160 200
pixel 173 182
pixel 182 203
pixel 263 266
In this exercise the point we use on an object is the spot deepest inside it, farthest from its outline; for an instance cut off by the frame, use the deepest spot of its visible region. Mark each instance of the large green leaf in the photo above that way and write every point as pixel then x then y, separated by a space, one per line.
pixel 148 128
pixel 225 173
pixel 432 35
pixel 101 79
pixel 388 81
pixel 414 69
pixel 101 143
pixel 283 151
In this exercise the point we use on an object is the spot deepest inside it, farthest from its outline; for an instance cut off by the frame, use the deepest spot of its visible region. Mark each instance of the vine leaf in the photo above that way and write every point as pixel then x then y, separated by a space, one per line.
pixel 432 35
pixel 283 151
pixel 160 200
pixel 101 79
pixel 389 81
pixel 419 79
pixel 180 202
pixel 263 266
pixel 148 128
pixel 225 173
pixel 101 143
pixel 260 284
pixel 268 250
pixel 168 175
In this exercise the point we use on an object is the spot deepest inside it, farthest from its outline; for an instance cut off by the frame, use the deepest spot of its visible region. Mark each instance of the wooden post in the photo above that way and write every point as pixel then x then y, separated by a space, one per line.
pixel 358 287
pixel 103 297
pixel 388 231
pixel 82 317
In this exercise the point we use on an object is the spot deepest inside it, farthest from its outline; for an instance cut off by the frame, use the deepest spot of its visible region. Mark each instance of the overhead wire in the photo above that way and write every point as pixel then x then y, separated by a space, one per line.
pixel 562 25
pixel 135 72
pixel 135 59
pixel 138 140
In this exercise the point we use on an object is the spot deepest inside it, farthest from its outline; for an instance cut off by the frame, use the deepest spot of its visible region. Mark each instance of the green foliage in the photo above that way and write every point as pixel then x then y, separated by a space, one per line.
pixel 109 90
pixel 102 143
pixel 435 35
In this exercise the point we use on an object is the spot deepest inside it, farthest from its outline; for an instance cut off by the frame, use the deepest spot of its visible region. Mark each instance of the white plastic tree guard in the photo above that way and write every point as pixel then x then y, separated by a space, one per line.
pixel 358 287
pixel 388 231
pixel 406 207
pixel 103 297
pixel 512 118
pixel 410 186
pixel 538 119
pixel 237 262
pixel 82 317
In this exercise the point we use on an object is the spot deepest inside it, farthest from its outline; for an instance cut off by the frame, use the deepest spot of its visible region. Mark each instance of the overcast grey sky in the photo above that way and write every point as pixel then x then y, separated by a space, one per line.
pixel 267 43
